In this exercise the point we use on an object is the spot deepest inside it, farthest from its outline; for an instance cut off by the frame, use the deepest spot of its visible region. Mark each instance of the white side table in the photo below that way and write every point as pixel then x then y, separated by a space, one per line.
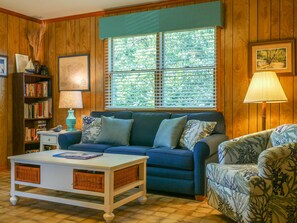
pixel 49 138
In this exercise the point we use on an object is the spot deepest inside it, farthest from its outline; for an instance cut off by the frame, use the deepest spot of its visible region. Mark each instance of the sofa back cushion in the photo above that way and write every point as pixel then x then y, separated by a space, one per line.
pixel 119 114
pixel 145 127
pixel 284 134
pixel 211 116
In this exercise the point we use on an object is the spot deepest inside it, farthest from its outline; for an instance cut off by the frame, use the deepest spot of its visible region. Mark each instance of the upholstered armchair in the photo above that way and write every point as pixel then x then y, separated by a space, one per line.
pixel 256 178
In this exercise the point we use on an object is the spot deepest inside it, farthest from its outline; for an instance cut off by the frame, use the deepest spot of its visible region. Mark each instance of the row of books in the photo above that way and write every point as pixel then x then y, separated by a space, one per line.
pixel 31 133
pixel 41 109
pixel 39 89
pixel 30 150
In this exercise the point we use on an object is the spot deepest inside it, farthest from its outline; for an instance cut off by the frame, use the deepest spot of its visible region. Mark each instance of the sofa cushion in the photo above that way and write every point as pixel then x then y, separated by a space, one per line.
pixel 91 129
pixel 284 134
pixel 211 116
pixel 89 147
pixel 145 127
pixel 129 150
pixel 194 131
pixel 118 114
pixel 170 173
pixel 115 131
pixel 169 132
pixel 171 158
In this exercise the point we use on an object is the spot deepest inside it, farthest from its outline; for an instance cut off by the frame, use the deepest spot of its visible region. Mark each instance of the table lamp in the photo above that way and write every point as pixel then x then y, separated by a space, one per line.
pixel 265 88
pixel 70 99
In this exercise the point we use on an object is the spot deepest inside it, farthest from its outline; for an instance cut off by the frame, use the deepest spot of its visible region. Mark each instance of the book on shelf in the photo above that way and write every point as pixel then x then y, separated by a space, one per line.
pixel 40 109
pixel 31 133
pixel 39 89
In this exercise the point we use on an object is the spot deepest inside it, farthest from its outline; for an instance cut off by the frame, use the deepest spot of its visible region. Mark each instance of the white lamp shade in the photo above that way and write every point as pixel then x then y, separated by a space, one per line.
pixel 70 99
pixel 265 87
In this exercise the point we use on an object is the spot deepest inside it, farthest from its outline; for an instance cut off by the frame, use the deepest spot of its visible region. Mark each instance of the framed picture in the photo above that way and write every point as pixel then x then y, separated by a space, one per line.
pixel 3 66
pixel 277 56
pixel 21 62
pixel 74 73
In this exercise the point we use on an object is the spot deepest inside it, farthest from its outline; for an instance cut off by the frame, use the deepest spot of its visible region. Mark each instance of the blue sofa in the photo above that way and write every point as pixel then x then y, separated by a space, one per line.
pixel 168 170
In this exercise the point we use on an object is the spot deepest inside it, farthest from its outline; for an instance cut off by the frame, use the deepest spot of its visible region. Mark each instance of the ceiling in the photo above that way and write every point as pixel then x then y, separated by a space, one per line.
pixel 48 9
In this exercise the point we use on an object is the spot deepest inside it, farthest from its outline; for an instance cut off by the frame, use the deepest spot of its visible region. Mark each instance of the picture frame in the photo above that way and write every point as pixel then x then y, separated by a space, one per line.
pixel 74 72
pixel 3 66
pixel 21 62
pixel 277 56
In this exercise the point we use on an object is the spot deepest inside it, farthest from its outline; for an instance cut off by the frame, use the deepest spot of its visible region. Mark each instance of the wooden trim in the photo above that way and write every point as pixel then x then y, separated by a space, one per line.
pixel 164 3
pixel 6 11
pixel 124 9
pixel 102 13
pixel 79 16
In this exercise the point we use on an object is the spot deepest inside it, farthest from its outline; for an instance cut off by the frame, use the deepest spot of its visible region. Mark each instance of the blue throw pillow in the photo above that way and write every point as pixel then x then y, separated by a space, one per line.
pixel 169 132
pixel 115 131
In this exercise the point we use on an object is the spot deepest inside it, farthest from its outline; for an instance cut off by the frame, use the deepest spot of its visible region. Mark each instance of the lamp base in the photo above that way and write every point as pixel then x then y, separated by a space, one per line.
pixel 70 120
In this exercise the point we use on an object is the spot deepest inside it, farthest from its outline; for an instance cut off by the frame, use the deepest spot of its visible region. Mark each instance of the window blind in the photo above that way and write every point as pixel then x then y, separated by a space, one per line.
pixel 162 71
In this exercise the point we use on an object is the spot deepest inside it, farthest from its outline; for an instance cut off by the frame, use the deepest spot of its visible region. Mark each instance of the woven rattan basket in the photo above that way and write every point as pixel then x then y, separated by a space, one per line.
pixel 94 181
pixel 27 173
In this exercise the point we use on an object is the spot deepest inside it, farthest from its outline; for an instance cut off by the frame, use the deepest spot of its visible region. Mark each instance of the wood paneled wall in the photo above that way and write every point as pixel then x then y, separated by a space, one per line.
pixel 12 40
pixel 245 21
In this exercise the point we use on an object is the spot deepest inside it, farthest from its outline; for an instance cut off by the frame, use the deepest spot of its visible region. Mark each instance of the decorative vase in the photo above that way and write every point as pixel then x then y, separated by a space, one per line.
pixel 43 70
pixel 36 64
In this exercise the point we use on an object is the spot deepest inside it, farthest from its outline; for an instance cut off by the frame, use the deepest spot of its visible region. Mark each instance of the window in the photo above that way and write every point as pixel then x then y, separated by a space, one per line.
pixel 162 70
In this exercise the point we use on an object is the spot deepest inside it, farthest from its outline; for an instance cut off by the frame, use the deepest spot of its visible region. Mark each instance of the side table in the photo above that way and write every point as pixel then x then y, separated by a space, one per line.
pixel 49 138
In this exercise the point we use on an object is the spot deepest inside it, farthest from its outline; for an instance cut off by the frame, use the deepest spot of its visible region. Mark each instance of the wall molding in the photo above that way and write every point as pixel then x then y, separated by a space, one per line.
pixel 20 15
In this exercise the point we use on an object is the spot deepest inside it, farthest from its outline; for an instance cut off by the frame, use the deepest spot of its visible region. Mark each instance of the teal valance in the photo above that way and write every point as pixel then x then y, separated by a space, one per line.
pixel 208 14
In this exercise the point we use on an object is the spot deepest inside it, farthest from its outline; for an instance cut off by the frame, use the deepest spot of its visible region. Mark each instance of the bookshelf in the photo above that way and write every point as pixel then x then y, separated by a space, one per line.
pixel 32 110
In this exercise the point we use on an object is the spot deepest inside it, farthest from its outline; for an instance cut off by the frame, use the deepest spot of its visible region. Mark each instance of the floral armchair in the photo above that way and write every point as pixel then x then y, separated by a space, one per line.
pixel 256 178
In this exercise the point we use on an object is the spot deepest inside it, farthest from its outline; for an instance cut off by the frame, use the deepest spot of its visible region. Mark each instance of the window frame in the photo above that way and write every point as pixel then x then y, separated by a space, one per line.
pixel 218 76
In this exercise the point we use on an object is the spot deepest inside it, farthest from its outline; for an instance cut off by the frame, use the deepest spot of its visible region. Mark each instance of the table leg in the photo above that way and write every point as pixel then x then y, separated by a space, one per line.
pixel 108 195
pixel 108 217
pixel 13 199
pixel 142 176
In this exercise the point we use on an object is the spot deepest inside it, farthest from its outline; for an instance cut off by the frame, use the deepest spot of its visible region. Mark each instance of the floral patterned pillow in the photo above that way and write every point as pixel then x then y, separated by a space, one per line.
pixel 284 134
pixel 194 131
pixel 91 129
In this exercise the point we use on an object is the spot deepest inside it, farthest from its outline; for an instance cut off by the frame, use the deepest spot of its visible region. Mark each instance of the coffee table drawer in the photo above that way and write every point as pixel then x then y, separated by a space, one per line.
pixel 27 173
pixel 94 181
pixel 86 180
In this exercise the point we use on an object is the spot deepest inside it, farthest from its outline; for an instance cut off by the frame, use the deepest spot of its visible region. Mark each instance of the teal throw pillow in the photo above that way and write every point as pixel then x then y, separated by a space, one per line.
pixel 169 132
pixel 115 131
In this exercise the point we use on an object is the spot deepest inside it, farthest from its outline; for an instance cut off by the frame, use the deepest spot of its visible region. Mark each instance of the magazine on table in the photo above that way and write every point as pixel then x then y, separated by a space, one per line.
pixel 77 155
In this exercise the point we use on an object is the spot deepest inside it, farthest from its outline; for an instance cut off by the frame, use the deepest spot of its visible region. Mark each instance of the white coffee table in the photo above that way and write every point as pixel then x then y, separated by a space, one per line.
pixel 58 174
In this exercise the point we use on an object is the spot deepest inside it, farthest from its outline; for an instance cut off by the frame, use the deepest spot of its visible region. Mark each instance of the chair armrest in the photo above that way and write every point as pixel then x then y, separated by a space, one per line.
pixel 244 149
pixel 69 138
pixel 202 150
pixel 279 164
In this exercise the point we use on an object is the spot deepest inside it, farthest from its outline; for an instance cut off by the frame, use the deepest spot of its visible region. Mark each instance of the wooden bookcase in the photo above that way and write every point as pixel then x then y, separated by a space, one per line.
pixel 21 101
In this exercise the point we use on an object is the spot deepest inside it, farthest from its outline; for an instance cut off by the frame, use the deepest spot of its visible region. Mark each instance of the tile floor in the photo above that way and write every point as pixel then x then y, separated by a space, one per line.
pixel 158 209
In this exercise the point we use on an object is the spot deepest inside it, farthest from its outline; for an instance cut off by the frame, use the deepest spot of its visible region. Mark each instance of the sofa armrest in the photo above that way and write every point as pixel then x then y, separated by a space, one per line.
pixel 203 149
pixel 213 141
pixel 279 164
pixel 244 149
pixel 69 138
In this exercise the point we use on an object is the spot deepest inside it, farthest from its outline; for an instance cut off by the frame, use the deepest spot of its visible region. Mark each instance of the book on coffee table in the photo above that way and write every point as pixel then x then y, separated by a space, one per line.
pixel 77 155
